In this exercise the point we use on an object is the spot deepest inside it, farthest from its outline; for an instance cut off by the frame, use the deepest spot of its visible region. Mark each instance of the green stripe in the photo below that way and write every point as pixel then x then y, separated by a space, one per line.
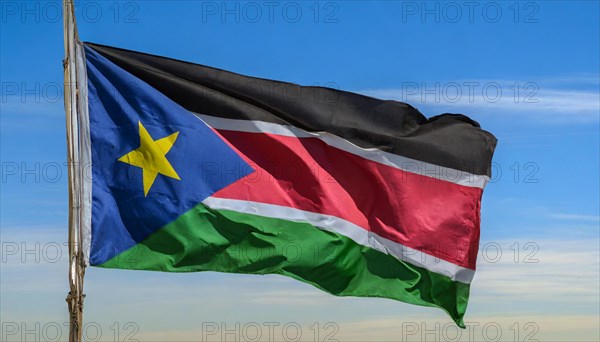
pixel 204 239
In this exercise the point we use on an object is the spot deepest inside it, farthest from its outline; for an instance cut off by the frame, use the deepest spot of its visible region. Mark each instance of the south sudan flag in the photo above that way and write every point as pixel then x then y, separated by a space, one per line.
pixel 199 169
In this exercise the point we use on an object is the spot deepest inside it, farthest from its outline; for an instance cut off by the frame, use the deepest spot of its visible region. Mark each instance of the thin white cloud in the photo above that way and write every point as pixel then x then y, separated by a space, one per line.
pixel 576 217
pixel 540 271
pixel 554 100
pixel 12 105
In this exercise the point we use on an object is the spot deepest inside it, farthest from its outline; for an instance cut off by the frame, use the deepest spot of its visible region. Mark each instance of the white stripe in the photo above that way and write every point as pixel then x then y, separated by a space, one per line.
pixel 373 154
pixel 349 230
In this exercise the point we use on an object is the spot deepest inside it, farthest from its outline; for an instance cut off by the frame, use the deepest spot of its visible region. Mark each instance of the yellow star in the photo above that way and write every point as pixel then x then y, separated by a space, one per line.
pixel 151 157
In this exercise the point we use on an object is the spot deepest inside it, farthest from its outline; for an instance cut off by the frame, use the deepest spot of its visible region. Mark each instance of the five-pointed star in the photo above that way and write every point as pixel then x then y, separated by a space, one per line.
pixel 151 157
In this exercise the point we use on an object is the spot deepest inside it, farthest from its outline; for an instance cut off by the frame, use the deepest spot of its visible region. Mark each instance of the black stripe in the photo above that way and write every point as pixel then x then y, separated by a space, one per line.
pixel 449 140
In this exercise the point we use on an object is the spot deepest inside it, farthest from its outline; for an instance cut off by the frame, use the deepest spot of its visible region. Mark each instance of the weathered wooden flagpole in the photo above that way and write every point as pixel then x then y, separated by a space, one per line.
pixel 73 103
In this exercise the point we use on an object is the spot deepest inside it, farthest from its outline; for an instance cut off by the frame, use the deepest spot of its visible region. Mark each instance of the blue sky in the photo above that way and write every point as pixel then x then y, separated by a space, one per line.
pixel 528 72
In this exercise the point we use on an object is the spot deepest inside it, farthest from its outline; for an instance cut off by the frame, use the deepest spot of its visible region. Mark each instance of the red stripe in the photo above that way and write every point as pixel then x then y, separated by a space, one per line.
pixel 433 216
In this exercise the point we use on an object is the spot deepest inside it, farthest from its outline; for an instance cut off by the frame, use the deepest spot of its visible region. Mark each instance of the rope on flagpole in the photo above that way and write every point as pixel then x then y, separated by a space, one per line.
pixel 76 221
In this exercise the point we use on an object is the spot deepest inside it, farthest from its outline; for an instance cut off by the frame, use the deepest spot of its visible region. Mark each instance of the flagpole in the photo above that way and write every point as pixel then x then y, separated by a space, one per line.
pixel 72 102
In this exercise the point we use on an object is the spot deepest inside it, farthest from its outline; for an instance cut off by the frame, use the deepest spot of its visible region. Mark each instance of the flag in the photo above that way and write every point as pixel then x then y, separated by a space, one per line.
pixel 199 169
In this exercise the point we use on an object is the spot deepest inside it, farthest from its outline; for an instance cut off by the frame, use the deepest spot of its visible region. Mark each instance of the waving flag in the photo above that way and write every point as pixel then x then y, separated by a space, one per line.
pixel 200 169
